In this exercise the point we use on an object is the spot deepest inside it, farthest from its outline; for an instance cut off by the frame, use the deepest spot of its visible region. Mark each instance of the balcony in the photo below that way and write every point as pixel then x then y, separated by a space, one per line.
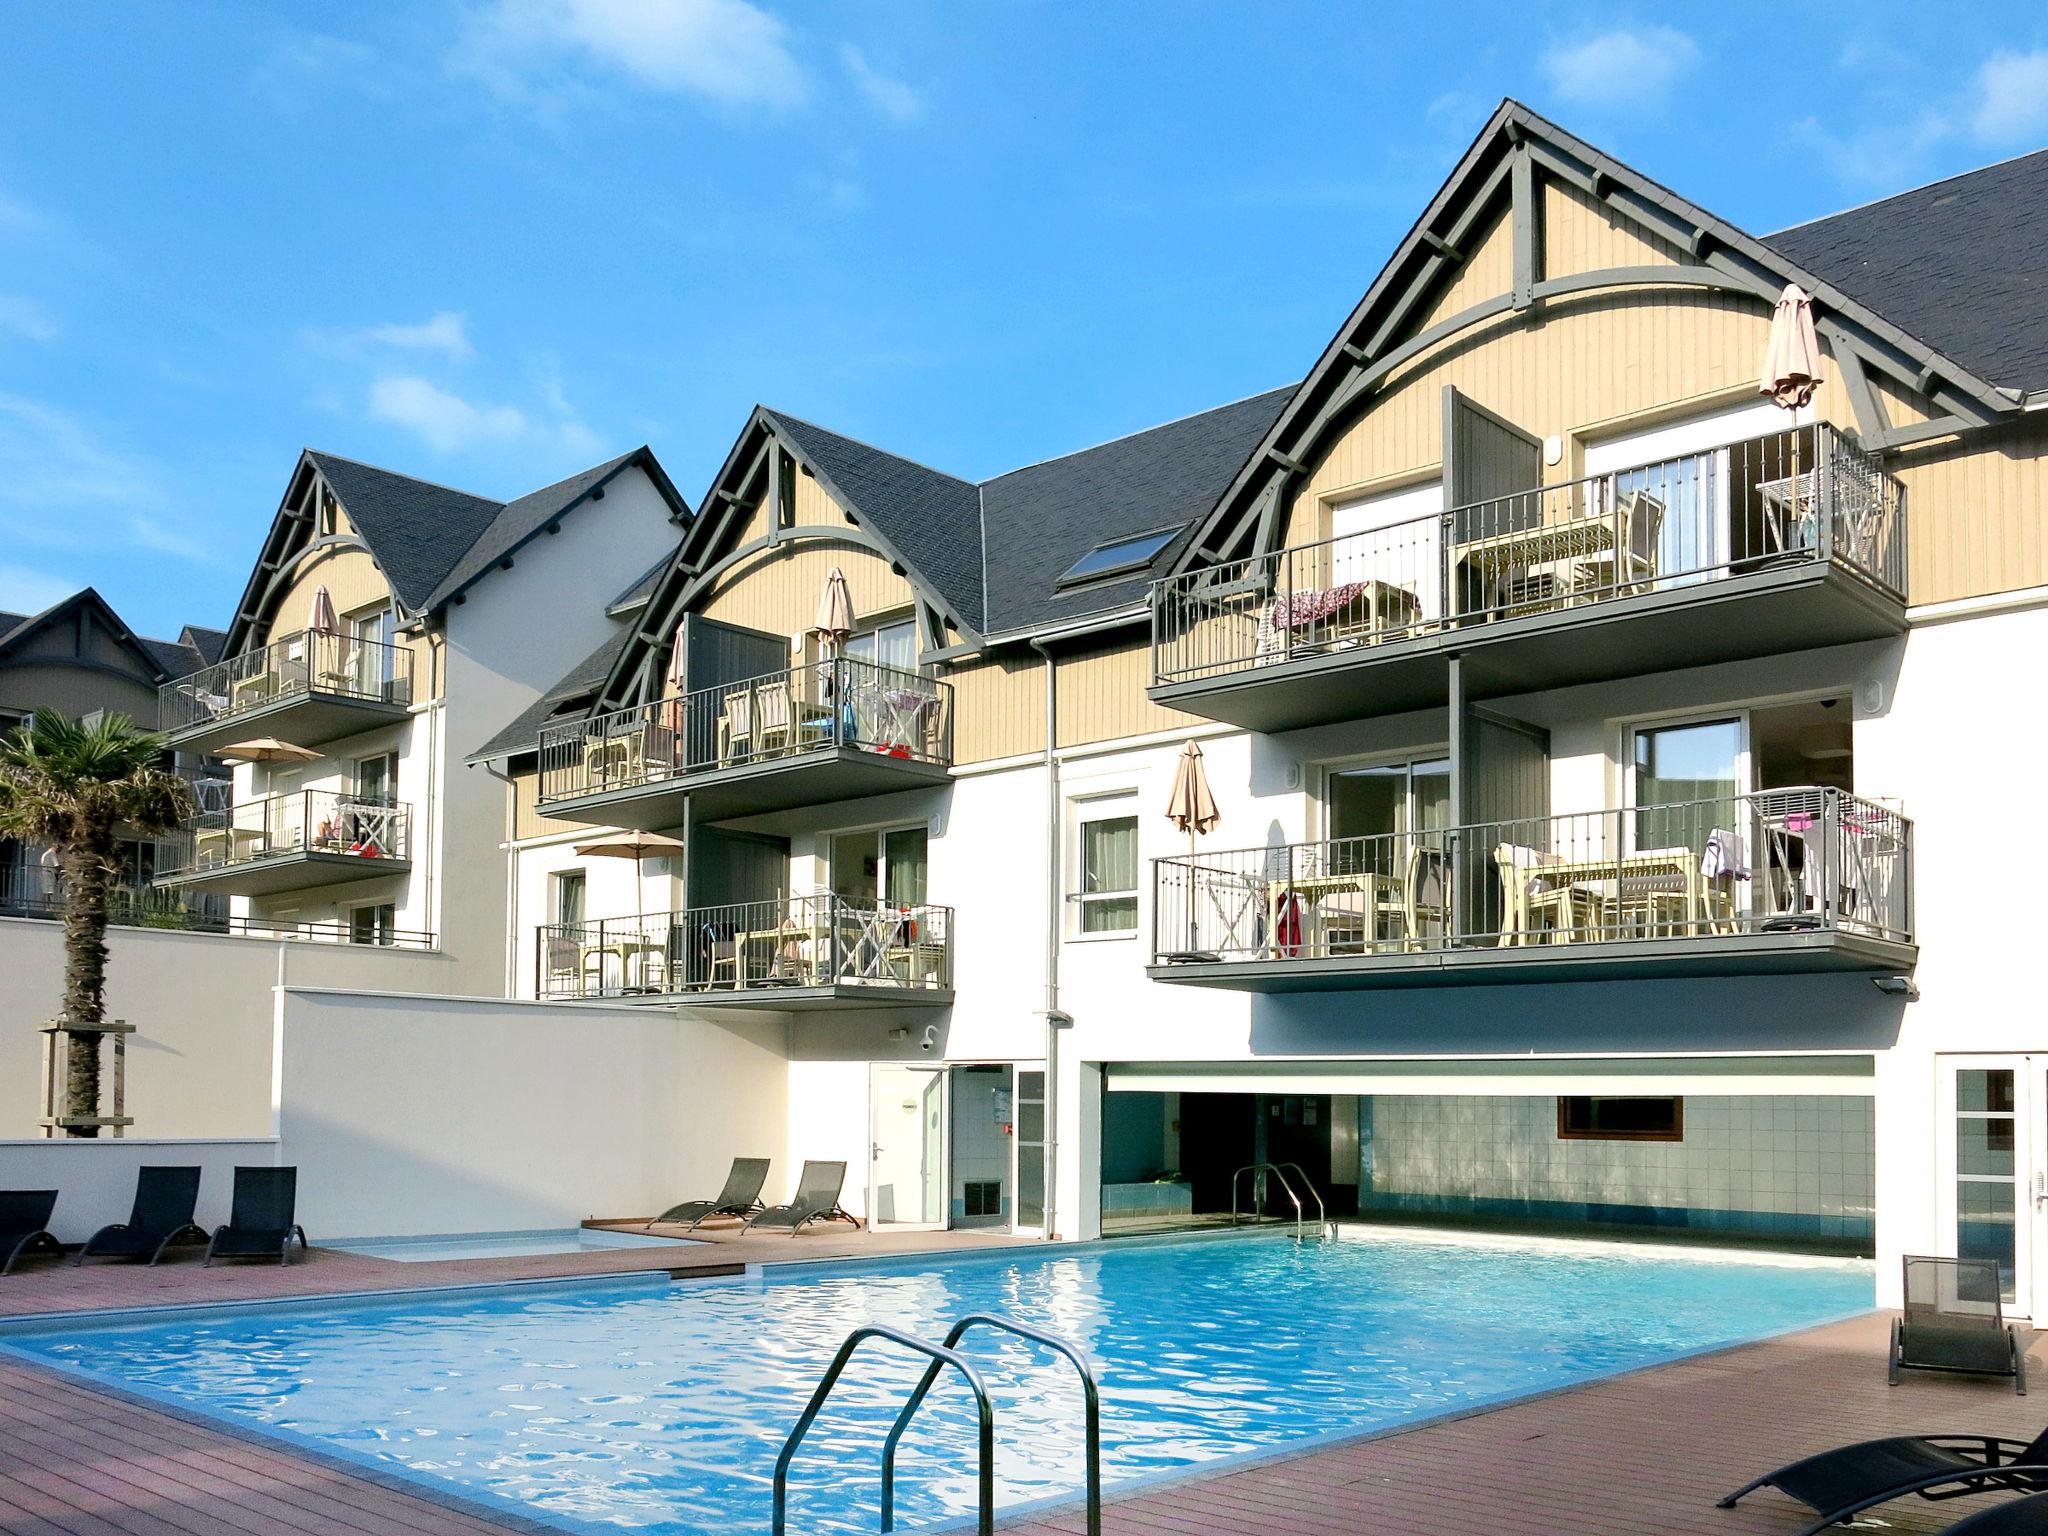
pixel 310 688
pixel 1784 880
pixel 837 730
pixel 289 843
pixel 796 954
pixel 135 901
pixel 1775 544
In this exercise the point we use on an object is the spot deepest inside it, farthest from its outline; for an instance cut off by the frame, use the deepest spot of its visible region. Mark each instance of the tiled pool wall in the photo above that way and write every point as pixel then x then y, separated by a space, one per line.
pixel 1798 1166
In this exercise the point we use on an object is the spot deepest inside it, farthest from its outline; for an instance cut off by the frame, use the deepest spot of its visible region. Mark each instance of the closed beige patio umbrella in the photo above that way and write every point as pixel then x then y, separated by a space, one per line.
pixel 1791 371
pixel 835 619
pixel 676 681
pixel 322 621
pixel 1192 809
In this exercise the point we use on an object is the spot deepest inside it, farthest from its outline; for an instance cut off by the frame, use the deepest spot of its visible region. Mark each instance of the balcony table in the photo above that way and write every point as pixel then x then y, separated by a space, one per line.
pixel 1651 878
pixel 1493 561
pixel 1382 894
pixel 647 952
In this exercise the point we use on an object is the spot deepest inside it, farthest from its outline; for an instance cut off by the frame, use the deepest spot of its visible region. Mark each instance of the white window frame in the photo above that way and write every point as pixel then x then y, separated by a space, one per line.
pixel 556 879
pixel 1083 812
pixel 349 917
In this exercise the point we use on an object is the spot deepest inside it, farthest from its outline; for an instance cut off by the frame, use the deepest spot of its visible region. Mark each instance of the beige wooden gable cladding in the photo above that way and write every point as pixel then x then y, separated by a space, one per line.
pixel 776 590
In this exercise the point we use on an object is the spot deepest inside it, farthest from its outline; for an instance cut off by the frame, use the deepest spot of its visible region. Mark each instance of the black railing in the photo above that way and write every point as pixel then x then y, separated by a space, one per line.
pixel 310 662
pixel 1805 497
pixel 310 821
pixel 835 703
pixel 796 941
pixel 1780 860
pixel 37 890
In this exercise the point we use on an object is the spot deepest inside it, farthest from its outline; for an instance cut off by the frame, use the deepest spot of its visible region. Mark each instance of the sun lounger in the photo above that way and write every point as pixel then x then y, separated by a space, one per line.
pixel 1839 1483
pixel 164 1202
pixel 740 1197
pixel 260 1221
pixel 1954 1322
pixel 25 1221
pixel 2028 1517
pixel 816 1199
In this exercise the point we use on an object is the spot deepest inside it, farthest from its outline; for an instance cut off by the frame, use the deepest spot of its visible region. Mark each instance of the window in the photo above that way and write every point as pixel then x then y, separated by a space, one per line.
pixel 886 645
pixel 570 885
pixel 368 663
pixel 1583 1118
pixel 1117 557
pixel 377 779
pixel 785 509
pixel 1108 897
pixel 376 924
pixel 1686 780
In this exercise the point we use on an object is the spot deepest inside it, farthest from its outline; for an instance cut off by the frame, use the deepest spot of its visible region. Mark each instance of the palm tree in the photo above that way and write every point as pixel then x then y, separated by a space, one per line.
pixel 76 787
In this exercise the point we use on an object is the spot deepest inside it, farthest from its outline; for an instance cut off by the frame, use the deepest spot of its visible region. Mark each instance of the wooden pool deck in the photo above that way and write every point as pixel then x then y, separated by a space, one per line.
pixel 1647 1452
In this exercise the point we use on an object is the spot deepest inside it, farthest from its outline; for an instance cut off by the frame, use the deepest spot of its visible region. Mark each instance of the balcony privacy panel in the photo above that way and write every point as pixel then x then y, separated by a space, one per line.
pixel 717 655
pixel 1487 458
pixel 731 868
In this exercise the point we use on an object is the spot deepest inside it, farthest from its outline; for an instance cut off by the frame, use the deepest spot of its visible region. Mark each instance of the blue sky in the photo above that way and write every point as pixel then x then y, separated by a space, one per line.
pixel 488 242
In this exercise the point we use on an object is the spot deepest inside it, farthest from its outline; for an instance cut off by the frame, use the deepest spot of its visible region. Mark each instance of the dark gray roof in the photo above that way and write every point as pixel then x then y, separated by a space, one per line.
pixel 211 644
pixel 584 679
pixel 643 584
pixel 417 530
pixel 9 622
pixel 1041 519
pixel 171 658
pixel 933 519
pixel 515 521
pixel 1960 265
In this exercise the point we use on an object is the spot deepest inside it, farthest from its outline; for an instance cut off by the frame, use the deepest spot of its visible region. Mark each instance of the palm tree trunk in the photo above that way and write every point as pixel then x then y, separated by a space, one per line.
pixel 87 871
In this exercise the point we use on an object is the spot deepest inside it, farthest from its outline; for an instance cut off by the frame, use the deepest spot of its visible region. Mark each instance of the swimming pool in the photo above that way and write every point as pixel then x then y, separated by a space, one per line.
pixel 503 1245
pixel 660 1407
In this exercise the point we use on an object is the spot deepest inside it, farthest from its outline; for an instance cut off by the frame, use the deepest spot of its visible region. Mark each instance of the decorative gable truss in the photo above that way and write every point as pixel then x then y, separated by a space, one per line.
pixel 295 538
pixel 1409 310
pixel 755 474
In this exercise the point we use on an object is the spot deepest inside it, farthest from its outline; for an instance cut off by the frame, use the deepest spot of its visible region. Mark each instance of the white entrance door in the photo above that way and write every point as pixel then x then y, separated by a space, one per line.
pixel 1993 1182
pixel 907 1146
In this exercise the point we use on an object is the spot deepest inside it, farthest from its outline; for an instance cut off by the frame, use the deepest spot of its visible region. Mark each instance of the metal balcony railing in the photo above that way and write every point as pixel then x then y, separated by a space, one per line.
pixel 310 821
pixel 1780 860
pixel 796 941
pixel 839 702
pixel 312 661
pixel 1810 497
pixel 37 890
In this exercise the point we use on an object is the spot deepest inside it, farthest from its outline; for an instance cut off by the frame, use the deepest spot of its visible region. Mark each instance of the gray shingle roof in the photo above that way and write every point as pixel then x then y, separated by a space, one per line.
pixel 518 519
pixel 584 679
pixel 643 584
pixel 1043 518
pixel 417 530
pixel 933 519
pixel 172 658
pixel 1959 265
pixel 211 644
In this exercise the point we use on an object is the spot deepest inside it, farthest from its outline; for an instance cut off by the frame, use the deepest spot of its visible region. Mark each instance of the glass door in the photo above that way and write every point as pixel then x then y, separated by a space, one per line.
pixel 906 1146
pixel 1030 1139
pixel 1685 780
pixel 1991 1183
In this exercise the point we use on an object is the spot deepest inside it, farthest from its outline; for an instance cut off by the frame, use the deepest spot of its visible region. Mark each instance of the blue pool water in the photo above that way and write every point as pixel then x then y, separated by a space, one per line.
pixel 502 1245
pixel 660 1408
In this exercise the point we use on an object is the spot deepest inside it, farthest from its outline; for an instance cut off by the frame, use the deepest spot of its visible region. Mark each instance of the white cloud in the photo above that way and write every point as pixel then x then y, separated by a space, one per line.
pixel 2012 98
pixel 23 316
pixel 725 51
pixel 24 590
pixel 892 98
pixel 1622 67
pixel 448 423
pixel 445 332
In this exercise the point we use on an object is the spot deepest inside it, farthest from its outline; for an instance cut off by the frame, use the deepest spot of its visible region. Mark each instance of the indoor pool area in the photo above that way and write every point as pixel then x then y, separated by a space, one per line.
pixel 650 1406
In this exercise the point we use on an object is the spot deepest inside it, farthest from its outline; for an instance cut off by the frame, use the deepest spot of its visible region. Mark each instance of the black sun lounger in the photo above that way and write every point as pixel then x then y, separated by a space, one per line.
pixel 816 1199
pixel 740 1197
pixel 2029 1517
pixel 165 1198
pixel 1839 1483
pixel 1954 1321
pixel 260 1221
pixel 25 1224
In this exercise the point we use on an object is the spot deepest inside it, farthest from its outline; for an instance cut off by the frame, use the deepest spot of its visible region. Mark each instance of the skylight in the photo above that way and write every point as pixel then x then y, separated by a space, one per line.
pixel 1117 557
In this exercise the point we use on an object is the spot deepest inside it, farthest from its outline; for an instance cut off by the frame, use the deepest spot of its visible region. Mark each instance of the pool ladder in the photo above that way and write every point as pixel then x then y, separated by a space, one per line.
pixel 941 1356
pixel 1278 1172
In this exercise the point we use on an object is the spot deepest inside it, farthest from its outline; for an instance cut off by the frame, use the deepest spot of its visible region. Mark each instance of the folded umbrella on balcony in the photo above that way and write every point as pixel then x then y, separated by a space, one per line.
pixel 323 621
pixel 1791 371
pixel 1192 809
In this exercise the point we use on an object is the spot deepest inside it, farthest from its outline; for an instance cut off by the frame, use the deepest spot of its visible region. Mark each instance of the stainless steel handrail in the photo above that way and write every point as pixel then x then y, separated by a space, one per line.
pixel 1090 1394
pixel 940 1356
pixel 1300 1212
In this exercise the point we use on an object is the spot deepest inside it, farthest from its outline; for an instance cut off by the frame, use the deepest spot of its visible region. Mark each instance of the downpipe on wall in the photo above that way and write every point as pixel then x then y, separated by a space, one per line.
pixel 1055 1017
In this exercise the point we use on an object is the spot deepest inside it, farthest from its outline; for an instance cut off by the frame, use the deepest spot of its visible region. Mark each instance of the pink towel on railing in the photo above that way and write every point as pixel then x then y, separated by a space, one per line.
pixel 1300 609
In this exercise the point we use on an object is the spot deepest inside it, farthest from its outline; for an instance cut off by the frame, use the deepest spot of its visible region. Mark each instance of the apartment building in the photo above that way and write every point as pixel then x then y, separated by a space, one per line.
pixel 80 658
pixel 388 627
pixel 1589 735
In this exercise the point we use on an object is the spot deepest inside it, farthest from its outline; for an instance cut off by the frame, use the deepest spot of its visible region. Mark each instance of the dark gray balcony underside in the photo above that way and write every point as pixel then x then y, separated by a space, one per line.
pixel 1761 613
pixel 285 872
pixel 1734 954
pixel 749 789
pixel 304 719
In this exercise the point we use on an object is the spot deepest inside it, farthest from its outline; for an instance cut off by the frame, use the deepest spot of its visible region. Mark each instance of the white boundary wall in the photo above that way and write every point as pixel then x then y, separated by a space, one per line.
pixel 95 1180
